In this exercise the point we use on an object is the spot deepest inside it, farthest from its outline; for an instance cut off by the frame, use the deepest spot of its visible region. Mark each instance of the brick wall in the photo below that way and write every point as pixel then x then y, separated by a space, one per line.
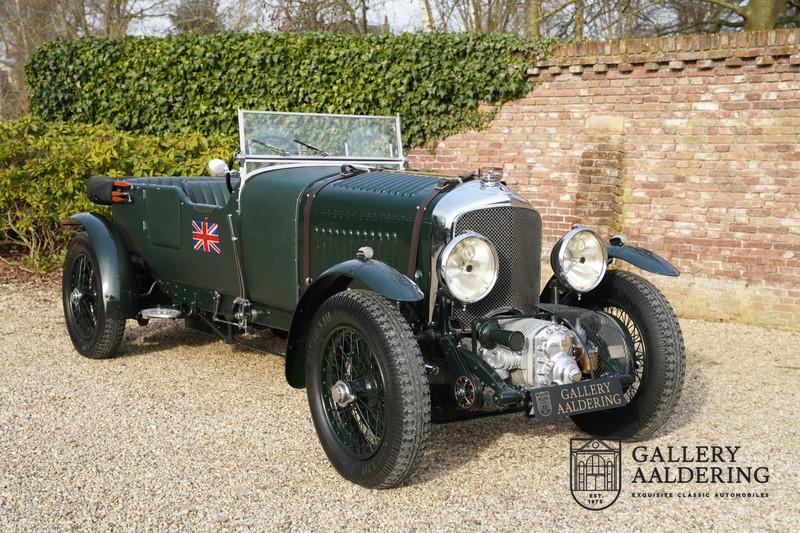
pixel 689 145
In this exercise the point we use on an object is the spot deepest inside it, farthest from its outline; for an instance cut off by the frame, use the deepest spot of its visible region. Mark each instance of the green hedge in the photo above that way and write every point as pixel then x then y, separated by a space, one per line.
pixel 44 168
pixel 434 81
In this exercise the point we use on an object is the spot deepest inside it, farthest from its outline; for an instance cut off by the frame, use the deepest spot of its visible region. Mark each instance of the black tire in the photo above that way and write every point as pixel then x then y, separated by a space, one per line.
pixel 93 333
pixel 380 346
pixel 660 349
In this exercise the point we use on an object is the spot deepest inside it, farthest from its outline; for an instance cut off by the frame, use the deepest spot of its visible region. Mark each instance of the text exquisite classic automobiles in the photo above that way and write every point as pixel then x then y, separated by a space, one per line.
pixel 405 296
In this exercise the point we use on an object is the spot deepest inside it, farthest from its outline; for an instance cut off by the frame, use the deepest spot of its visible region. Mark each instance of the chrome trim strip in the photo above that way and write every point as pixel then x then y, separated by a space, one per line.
pixel 261 112
pixel 240 113
pixel 401 156
pixel 322 158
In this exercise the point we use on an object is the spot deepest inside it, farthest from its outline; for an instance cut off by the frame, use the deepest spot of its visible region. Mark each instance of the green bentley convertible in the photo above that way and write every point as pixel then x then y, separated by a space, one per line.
pixel 406 297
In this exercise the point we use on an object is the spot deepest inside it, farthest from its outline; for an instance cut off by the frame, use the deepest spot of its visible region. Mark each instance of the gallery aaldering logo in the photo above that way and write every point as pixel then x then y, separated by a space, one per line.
pixel 681 472
pixel 595 469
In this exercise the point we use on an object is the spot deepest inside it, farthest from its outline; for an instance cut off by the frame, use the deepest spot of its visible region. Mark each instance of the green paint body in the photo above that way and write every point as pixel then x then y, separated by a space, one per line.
pixel 155 228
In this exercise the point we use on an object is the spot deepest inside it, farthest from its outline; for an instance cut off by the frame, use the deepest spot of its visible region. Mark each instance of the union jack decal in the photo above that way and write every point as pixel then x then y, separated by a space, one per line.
pixel 205 236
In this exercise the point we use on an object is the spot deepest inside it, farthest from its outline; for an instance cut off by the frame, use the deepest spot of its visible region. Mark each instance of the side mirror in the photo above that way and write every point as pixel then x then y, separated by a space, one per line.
pixel 218 167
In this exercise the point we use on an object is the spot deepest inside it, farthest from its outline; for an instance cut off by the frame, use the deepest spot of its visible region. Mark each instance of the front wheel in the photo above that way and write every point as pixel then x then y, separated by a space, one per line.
pixel 367 389
pixel 659 356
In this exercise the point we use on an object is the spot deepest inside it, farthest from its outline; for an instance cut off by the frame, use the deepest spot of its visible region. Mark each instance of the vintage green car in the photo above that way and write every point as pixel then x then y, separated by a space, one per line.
pixel 405 296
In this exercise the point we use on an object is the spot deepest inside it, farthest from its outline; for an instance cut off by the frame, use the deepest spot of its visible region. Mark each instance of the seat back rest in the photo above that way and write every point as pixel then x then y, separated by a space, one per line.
pixel 162 181
pixel 203 190
pixel 211 191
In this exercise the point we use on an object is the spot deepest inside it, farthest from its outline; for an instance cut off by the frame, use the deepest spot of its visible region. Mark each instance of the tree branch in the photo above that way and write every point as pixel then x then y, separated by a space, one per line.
pixel 727 5
pixel 16 264
pixel 633 13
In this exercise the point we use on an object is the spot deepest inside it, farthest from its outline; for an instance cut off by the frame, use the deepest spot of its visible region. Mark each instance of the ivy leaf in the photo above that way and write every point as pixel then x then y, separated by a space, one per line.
pixel 157 85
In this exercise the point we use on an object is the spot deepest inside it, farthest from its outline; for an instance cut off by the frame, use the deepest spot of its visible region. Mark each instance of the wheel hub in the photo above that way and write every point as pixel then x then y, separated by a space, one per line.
pixel 75 296
pixel 341 394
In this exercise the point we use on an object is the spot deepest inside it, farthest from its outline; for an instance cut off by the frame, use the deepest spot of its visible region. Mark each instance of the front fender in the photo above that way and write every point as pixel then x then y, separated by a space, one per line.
pixel 642 258
pixel 113 260
pixel 639 257
pixel 378 277
pixel 375 275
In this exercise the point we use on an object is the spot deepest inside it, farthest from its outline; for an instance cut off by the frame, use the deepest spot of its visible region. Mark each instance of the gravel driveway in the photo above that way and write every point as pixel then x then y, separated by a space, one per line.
pixel 183 431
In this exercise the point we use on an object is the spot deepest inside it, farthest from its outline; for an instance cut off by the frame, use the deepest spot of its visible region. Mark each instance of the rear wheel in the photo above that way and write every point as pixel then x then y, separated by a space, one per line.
pixel 93 333
pixel 367 389
pixel 659 357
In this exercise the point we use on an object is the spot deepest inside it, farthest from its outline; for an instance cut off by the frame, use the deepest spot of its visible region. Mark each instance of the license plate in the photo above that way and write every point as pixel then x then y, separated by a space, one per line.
pixel 559 401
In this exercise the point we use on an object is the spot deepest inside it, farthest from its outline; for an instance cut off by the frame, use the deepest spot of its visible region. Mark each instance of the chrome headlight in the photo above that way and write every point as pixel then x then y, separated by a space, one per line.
pixel 580 259
pixel 468 267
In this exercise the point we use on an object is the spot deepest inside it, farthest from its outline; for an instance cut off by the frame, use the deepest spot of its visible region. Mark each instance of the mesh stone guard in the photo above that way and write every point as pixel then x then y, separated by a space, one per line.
pixel 601 333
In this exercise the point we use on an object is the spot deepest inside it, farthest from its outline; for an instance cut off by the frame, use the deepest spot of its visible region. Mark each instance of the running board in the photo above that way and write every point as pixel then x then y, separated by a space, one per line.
pixel 160 312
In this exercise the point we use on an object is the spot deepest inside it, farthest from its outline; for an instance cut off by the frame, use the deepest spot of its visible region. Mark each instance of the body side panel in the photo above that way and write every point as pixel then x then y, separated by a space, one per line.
pixel 270 206
pixel 158 226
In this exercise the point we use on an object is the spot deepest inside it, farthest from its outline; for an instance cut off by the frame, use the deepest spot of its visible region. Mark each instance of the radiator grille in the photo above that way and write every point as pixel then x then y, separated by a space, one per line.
pixel 517 234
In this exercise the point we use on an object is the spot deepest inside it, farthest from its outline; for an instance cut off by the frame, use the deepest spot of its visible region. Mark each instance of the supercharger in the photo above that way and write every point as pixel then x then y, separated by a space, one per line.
pixel 549 355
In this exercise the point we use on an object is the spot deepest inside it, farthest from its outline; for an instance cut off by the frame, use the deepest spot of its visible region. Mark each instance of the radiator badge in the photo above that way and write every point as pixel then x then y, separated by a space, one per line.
pixel 595 469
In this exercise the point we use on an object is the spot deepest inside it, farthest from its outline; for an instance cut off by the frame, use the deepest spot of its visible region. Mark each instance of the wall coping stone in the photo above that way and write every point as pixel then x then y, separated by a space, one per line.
pixel 673 52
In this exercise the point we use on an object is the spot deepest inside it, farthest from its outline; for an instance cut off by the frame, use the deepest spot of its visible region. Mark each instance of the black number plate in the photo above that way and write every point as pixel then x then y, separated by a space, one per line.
pixel 559 401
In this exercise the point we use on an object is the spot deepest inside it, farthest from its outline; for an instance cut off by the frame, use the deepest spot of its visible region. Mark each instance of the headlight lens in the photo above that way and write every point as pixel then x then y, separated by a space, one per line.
pixel 468 267
pixel 580 259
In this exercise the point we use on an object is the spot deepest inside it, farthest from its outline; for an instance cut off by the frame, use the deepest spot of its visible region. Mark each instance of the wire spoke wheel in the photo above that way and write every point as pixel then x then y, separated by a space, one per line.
pixel 83 296
pixel 659 359
pixel 367 388
pixel 636 340
pixel 358 419
pixel 92 331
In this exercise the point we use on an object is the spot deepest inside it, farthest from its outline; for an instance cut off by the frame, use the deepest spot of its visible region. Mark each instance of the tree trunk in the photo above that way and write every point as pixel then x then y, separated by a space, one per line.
pixel 474 10
pixel 534 18
pixel 364 24
pixel 427 15
pixel 578 19
pixel 763 14
pixel 241 19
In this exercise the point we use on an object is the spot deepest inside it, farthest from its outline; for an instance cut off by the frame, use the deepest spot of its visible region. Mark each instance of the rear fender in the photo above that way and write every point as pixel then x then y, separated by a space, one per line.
pixel 113 260
pixel 375 275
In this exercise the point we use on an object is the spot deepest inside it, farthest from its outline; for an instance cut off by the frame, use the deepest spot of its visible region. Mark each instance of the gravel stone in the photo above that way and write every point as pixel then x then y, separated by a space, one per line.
pixel 185 432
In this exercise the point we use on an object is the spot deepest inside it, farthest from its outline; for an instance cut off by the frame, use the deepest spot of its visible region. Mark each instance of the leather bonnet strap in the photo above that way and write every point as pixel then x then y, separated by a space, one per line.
pixel 417 229
pixel 315 190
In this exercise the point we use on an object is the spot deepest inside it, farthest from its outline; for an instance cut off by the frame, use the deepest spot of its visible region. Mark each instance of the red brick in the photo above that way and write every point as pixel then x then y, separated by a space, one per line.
pixel 707 172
